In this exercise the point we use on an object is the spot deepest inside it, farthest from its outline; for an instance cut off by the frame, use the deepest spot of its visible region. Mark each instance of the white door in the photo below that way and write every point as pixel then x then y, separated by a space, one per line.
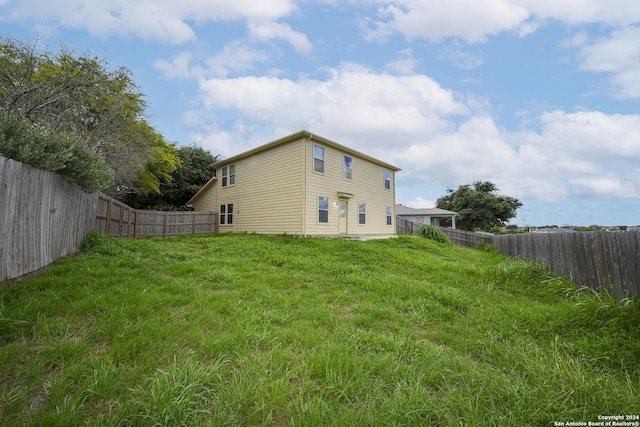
pixel 342 221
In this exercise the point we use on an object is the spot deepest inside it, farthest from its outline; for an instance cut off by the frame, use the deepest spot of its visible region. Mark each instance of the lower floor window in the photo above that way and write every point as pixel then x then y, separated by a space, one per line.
pixel 362 212
pixel 323 209
pixel 389 215
pixel 226 214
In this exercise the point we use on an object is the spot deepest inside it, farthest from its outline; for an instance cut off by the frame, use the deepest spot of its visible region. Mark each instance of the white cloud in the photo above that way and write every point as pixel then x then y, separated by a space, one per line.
pixel 420 203
pixel 179 67
pixel 269 30
pixel 405 64
pixel 471 20
pixel 162 20
pixel 619 56
pixel 475 20
pixel 235 57
pixel 574 12
pixel 353 102
pixel 460 58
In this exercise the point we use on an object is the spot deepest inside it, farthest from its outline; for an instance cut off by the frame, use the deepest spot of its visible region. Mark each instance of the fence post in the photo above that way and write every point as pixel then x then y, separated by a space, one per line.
pixel 107 226
pixel 120 221
pixel 165 224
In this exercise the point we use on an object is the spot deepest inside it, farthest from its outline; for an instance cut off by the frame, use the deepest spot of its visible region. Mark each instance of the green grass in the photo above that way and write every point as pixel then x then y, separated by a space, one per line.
pixel 274 331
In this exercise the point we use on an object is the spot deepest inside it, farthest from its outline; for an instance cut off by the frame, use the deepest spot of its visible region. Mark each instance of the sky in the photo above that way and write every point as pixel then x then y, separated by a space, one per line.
pixel 540 97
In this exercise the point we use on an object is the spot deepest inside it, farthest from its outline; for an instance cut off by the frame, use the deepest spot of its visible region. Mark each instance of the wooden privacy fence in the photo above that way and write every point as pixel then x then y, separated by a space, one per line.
pixel 597 260
pixel 458 237
pixel 609 260
pixel 42 217
pixel 467 238
pixel 404 226
pixel 114 218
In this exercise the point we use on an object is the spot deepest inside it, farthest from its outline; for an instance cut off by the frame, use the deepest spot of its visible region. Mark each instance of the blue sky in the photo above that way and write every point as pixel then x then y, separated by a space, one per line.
pixel 540 97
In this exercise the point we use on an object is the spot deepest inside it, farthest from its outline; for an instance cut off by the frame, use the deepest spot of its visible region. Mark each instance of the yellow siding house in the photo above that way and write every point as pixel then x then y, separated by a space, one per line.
pixel 302 184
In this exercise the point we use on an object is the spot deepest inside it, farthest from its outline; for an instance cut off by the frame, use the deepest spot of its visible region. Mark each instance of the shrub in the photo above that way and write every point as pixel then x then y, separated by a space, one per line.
pixel 59 152
pixel 487 247
pixel 99 243
pixel 433 233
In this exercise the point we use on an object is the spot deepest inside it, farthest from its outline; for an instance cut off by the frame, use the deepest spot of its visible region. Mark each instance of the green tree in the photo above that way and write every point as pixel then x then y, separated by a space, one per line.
pixel 194 171
pixel 479 206
pixel 103 107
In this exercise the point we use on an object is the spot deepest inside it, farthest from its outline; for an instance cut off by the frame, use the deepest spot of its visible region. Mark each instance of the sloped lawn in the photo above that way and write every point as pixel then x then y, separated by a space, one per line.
pixel 254 330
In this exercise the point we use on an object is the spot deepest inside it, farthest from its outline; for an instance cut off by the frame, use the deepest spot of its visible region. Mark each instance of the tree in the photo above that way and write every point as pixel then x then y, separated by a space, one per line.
pixel 194 171
pixel 479 206
pixel 102 107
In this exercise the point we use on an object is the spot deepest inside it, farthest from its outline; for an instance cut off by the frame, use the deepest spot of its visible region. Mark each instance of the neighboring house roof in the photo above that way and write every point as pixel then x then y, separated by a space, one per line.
pixel 294 136
pixel 402 210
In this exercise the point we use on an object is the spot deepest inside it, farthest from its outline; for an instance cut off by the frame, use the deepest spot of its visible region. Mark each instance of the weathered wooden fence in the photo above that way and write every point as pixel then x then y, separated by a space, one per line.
pixel 114 218
pixel 597 260
pixel 404 226
pixel 42 217
pixel 609 260
pixel 467 238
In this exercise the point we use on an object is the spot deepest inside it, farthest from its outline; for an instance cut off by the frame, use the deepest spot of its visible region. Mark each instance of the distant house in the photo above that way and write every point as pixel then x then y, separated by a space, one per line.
pixel 429 216
pixel 302 184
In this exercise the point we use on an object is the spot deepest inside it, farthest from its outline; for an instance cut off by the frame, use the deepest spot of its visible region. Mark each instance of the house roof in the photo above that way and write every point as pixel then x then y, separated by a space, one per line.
pixel 297 135
pixel 402 210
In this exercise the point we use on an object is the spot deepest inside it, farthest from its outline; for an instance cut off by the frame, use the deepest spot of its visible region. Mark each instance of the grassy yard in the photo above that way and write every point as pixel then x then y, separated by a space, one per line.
pixel 253 330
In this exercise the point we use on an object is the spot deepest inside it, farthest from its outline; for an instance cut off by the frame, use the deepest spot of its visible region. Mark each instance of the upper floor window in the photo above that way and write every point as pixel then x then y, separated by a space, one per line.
pixel 323 209
pixel 387 179
pixel 362 212
pixel 318 158
pixel 347 167
pixel 228 175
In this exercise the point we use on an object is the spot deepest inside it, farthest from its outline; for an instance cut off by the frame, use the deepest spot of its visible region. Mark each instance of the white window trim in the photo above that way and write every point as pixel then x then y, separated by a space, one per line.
pixel 228 176
pixel 327 210
pixel 345 168
pixel 384 179
pixel 365 213
pixel 324 156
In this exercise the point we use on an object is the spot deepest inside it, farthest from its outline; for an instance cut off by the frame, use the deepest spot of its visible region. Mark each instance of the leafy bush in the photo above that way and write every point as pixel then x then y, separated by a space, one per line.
pixel 487 247
pixel 58 152
pixel 99 243
pixel 433 233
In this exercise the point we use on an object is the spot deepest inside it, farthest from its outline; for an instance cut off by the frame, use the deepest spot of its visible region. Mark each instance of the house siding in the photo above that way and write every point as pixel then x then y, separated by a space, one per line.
pixel 366 185
pixel 267 195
